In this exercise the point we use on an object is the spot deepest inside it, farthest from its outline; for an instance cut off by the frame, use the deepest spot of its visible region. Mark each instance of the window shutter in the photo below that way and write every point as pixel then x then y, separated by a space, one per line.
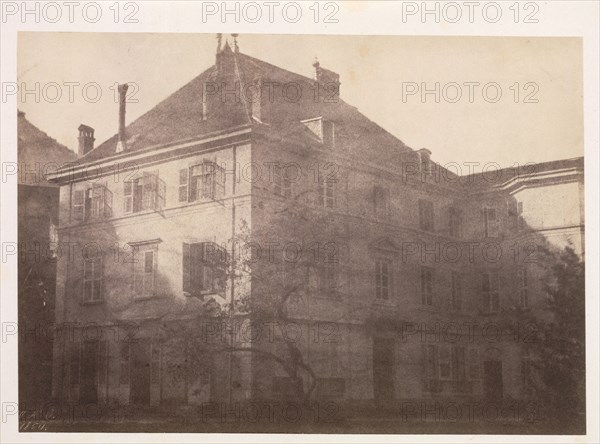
pixel 102 361
pixel 183 185
pixel 197 267
pixel 161 193
pixel 187 268
pixel 78 204
pixel 108 202
pixel 97 201
pixel 474 364
pixel 75 363
pixel 219 182
pixel 127 197
pixel 125 357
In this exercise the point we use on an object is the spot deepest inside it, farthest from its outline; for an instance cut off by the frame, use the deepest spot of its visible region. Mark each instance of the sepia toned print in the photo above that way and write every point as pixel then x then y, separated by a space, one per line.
pixel 255 254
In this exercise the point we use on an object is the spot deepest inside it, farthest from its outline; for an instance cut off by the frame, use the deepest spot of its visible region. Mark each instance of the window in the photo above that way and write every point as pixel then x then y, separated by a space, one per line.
pixel 455 222
pixel 456 291
pixel 183 185
pixel 523 287
pixel 144 193
pixel 102 361
pixel 458 364
pixel 75 363
pixel 327 192
pixel 490 292
pixel 381 202
pixel 204 268
pixel 445 363
pixel 282 185
pixel 327 275
pixel 474 365
pixel 144 269
pixel 323 129
pixel 93 203
pixel 383 279
pixel 93 279
pixel 124 363
pixel 490 224
pixel 206 182
pixel 425 215
pixel 426 286
pixel 431 367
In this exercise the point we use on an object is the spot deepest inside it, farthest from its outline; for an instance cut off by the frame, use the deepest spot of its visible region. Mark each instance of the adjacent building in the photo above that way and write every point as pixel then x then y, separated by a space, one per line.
pixel 38 200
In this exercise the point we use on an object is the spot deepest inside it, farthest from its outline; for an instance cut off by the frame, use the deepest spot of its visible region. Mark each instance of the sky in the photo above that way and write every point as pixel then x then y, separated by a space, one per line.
pixel 538 116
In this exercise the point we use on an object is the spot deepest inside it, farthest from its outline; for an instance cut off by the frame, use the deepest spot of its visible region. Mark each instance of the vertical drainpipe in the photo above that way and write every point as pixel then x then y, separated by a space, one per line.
pixel 233 191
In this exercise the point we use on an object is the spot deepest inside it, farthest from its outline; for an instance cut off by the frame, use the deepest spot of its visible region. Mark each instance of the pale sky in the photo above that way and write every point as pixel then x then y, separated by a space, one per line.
pixel 374 71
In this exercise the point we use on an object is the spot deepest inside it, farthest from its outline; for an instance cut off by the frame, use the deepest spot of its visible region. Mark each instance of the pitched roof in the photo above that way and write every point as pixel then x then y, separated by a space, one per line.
pixel 35 148
pixel 180 116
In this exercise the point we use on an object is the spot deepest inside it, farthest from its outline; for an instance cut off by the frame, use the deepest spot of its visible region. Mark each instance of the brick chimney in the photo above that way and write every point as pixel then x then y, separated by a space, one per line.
pixel 122 100
pixel 86 139
pixel 329 83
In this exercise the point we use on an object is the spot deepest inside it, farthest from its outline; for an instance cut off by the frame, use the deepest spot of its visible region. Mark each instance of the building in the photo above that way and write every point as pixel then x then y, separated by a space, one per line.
pixel 364 271
pixel 38 155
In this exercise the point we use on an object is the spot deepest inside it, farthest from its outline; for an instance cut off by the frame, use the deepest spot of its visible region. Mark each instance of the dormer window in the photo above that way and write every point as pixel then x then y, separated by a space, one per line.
pixel 324 130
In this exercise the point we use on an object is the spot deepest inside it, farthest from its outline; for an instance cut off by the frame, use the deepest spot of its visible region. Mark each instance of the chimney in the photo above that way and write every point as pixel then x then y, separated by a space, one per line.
pixel 329 83
pixel 86 139
pixel 122 97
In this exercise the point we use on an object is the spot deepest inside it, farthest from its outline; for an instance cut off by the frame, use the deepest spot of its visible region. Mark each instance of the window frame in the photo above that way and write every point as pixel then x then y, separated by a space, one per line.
pixel 92 203
pixel 145 192
pixel 203 270
pixel 490 292
pixel 140 273
pixel 427 284
pixel 95 277
pixel 384 281
pixel 327 193
pixel 456 290
pixel 523 284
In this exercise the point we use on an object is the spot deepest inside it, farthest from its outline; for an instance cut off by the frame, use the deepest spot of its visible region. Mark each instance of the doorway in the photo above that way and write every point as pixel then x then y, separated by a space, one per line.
pixel 89 373
pixel 140 373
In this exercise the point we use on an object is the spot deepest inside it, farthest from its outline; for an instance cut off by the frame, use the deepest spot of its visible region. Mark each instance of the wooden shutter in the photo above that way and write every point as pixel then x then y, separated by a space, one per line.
pixel 102 361
pixel 187 268
pixel 78 205
pixel 108 202
pixel 161 191
pixel 183 184
pixel 97 201
pixel 219 182
pixel 127 196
